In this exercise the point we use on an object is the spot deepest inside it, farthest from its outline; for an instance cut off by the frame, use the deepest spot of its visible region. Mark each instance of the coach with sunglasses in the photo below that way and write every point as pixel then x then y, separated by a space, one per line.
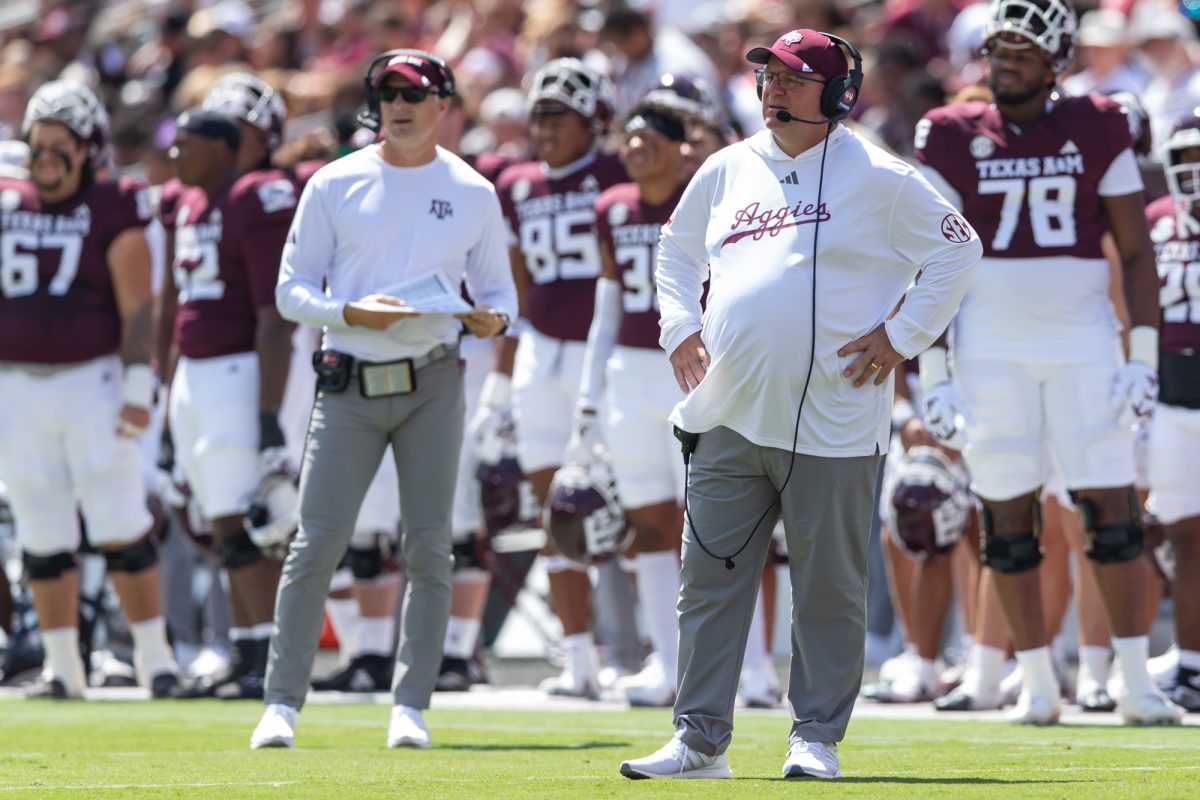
pixel 398 211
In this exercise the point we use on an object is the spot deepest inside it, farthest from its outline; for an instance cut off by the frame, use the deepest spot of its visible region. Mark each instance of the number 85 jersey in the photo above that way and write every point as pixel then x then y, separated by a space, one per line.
pixel 1035 195
pixel 550 216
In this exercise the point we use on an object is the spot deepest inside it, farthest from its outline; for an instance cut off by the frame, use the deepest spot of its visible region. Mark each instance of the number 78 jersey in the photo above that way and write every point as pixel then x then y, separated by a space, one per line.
pixel 1035 197
pixel 550 219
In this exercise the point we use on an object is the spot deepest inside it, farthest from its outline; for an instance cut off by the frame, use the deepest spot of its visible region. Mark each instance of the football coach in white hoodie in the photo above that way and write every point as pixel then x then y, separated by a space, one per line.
pixel 811 239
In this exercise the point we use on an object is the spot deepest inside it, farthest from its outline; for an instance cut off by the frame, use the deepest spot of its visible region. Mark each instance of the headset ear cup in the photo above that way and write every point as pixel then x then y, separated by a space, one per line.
pixel 831 95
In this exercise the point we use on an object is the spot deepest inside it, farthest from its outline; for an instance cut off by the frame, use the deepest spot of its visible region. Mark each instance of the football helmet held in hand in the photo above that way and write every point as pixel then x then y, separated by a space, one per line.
pixel 583 514
pixel 929 503
pixel 274 514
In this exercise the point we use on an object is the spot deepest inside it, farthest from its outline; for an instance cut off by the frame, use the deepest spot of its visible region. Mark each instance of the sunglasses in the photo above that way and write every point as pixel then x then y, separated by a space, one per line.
pixel 786 80
pixel 411 94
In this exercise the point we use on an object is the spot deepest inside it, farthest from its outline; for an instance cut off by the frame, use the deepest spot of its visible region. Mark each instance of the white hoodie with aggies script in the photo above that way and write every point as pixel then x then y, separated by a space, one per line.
pixel 747 222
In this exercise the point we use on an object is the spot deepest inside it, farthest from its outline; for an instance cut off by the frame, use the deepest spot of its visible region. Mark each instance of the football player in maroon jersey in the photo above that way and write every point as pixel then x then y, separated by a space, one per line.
pixel 1175 230
pixel 225 235
pixel 640 392
pixel 76 311
pixel 549 204
pixel 1042 177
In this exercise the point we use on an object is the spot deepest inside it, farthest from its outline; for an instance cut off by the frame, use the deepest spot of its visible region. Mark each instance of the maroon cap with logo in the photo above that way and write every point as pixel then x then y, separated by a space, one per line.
pixel 419 70
pixel 805 51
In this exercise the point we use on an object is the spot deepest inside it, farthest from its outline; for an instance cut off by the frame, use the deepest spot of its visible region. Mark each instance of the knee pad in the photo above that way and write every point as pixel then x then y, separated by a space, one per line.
pixel 237 551
pixel 365 564
pixel 1112 543
pixel 466 556
pixel 1013 554
pixel 47 568
pixel 136 557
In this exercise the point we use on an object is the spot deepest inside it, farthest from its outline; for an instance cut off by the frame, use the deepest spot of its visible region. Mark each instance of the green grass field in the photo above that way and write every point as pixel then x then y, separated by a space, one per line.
pixel 199 750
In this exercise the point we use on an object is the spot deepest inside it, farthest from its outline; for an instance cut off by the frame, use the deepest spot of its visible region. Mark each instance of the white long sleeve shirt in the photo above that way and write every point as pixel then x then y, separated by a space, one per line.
pixel 747 221
pixel 363 225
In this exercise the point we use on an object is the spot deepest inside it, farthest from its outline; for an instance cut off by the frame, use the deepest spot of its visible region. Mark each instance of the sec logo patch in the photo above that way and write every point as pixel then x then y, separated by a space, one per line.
pixel 955 229
pixel 982 147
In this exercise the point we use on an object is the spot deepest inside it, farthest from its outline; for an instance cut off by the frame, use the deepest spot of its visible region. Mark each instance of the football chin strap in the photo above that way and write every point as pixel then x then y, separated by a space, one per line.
pixel 689 440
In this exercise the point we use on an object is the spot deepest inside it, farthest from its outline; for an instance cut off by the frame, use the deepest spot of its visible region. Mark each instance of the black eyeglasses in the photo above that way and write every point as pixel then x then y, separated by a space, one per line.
pixel 411 94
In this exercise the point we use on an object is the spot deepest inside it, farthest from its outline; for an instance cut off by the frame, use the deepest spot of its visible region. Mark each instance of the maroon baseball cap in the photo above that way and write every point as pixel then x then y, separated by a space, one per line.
pixel 805 51
pixel 418 69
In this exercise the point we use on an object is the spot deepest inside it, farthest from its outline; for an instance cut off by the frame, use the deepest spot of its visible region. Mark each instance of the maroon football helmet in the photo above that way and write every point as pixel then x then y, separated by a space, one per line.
pixel 930 503
pixel 692 96
pixel 583 515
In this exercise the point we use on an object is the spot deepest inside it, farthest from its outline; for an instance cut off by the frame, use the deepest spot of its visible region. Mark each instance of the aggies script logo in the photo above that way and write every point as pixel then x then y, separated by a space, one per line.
pixel 755 222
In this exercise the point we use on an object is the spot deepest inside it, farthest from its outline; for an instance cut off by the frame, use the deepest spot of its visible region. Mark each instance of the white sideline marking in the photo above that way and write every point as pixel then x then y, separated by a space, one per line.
pixel 92 786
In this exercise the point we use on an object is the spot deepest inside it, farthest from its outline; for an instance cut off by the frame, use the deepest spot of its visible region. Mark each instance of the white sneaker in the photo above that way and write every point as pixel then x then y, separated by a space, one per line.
pixel 812 760
pixel 1149 708
pixel 407 728
pixel 277 728
pixel 676 760
pixel 759 687
pixel 1037 710
pixel 571 683
pixel 649 688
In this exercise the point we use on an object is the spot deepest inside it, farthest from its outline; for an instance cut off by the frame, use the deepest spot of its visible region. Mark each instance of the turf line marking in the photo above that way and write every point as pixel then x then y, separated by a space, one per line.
pixel 46 787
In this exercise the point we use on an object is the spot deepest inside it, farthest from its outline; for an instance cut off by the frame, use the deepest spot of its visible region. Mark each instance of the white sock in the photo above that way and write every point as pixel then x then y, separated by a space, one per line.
pixel 377 635
pixel 461 635
pixel 1037 672
pixel 985 668
pixel 1133 652
pixel 1190 659
pixel 1093 666
pixel 63 661
pixel 581 653
pixel 658 589
pixel 262 630
pixel 756 642
pixel 151 655
pixel 343 617
pixel 240 634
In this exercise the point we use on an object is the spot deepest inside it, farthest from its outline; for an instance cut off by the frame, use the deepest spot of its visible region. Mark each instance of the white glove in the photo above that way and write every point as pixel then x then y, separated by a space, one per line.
pixel 491 430
pixel 947 415
pixel 586 436
pixel 1134 393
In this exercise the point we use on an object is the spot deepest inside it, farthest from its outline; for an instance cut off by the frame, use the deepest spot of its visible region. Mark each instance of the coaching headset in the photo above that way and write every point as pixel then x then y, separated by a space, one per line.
pixel 840 92
pixel 837 101
pixel 445 87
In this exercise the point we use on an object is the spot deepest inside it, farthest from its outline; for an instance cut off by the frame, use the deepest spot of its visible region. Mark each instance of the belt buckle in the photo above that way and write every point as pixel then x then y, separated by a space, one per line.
pixel 387 379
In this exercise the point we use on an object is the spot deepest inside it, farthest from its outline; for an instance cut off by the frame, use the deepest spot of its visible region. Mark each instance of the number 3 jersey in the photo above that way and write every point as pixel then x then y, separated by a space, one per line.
pixel 227 254
pixel 550 216
pixel 630 229
pixel 1040 293
pixel 57 304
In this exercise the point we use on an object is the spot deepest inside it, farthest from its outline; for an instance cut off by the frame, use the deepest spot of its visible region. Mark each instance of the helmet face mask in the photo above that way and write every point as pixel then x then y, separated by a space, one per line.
pixel 1048 25
pixel 1183 177
pixel 249 98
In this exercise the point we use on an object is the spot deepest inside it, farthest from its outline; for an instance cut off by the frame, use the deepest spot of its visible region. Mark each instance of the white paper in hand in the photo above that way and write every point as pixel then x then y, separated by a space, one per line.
pixel 430 293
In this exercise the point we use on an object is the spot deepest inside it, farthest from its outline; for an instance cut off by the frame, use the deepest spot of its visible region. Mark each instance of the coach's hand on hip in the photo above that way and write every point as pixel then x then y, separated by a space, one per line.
pixel 877 358
pixel 377 311
pixel 690 362
pixel 484 321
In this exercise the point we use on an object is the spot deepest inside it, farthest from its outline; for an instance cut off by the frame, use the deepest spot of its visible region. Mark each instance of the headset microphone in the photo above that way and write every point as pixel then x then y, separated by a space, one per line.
pixel 784 116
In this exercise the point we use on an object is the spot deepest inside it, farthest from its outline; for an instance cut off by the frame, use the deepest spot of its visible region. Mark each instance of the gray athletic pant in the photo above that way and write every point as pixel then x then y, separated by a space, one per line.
pixel 347 435
pixel 827 509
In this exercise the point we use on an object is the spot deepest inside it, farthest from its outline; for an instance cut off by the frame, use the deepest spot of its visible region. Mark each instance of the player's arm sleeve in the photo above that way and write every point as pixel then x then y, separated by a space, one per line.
pixel 683 263
pixel 488 273
pixel 307 256
pixel 1123 176
pixel 927 232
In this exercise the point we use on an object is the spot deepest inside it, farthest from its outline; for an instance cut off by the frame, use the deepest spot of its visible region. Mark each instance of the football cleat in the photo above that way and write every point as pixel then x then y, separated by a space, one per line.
pixel 164 685
pixel 454 676
pixel 1096 700
pixel 247 687
pixel 1184 689
pixel 650 688
pixel 1036 710
pixel 570 683
pixel 49 689
pixel 407 728
pixel 1149 708
pixel 961 699
pixel 365 673
pixel 277 728
pixel 759 687
pixel 676 760
pixel 812 760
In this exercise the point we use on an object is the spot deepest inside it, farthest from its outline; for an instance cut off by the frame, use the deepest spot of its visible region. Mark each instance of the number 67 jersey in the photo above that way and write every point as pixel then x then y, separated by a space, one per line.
pixel 1035 195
